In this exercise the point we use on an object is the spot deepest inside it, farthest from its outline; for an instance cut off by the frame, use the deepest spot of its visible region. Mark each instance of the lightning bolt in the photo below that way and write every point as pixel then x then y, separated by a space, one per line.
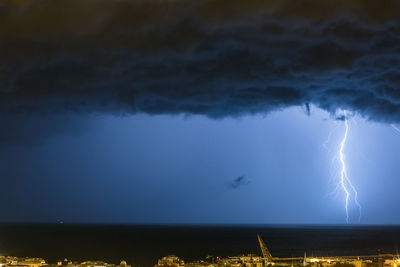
pixel 345 181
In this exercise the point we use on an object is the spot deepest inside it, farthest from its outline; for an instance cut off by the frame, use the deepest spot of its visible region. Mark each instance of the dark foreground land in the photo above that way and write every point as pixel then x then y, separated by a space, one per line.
pixel 142 245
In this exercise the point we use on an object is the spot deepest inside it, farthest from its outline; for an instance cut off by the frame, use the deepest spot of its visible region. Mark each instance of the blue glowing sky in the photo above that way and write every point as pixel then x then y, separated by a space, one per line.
pixel 212 112
pixel 177 169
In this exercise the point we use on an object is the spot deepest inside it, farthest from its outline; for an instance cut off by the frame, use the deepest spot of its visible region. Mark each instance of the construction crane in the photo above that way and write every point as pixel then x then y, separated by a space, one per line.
pixel 264 250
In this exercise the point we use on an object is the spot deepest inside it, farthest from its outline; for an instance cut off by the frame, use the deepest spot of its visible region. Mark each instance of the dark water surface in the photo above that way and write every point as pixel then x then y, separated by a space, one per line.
pixel 142 245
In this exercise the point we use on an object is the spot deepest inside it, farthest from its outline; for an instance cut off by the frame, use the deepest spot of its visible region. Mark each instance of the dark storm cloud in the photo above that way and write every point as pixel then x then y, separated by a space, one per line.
pixel 214 57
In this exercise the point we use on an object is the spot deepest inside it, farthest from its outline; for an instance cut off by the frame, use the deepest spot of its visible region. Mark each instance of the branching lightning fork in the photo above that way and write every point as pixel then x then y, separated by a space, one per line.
pixel 395 127
pixel 345 181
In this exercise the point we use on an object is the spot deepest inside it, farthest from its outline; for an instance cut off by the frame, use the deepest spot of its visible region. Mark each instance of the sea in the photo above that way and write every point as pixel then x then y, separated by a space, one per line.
pixel 143 245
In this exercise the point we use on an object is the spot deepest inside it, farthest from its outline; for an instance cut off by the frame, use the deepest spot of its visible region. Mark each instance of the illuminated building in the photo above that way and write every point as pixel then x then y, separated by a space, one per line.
pixel 22 261
pixel 170 261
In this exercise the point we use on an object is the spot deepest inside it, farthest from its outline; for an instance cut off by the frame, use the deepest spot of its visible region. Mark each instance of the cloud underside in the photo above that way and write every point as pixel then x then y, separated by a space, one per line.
pixel 200 57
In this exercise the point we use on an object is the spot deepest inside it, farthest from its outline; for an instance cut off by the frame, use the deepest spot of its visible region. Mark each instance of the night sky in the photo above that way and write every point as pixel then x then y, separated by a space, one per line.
pixel 214 111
